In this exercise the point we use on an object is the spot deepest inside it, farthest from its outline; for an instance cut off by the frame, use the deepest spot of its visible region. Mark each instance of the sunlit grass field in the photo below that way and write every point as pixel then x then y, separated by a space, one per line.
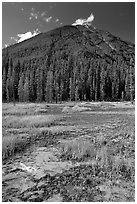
pixel 20 122
pixel 104 138
pixel 23 120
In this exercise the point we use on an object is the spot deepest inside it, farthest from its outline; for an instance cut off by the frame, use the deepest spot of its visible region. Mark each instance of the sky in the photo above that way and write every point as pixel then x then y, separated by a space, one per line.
pixel 22 20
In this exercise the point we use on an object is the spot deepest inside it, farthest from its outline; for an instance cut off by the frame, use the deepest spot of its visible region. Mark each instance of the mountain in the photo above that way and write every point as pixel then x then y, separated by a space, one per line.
pixel 69 63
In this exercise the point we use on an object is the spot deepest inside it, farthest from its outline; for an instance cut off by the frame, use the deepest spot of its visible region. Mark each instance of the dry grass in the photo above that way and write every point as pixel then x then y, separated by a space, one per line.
pixel 23 118
pixel 13 144
pixel 100 157
pixel 29 121
pixel 77 149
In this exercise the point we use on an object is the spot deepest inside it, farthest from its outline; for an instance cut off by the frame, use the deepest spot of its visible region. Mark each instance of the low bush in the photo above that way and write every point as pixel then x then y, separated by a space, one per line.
pixel 77 149
pixel 99 155
pixel 13 144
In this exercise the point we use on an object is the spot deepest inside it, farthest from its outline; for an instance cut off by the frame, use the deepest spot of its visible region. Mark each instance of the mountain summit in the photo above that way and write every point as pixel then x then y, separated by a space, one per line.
pixel 74 62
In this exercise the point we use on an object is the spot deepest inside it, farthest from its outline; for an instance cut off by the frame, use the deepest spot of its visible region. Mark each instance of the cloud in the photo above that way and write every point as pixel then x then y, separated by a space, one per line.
pixel 82 21
pixel 6 45
pixel 57 20
pixel 43 14
pixel 25 36
pixel 47 19
pixel 13 38
pixel 33 14
pixel 52 6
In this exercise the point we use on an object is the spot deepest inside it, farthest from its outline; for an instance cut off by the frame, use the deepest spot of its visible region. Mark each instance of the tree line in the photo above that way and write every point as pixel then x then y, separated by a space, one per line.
pixel 67 77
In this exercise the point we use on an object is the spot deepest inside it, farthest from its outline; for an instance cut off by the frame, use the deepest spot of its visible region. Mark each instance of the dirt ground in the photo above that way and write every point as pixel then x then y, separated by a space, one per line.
pixel 41 173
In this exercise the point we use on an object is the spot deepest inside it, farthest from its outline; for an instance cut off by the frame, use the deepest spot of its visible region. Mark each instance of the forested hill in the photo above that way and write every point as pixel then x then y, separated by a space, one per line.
pixel 69 63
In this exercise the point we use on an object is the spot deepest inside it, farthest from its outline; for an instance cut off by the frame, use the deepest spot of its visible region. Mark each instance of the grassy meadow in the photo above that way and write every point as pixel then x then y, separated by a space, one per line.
pixel 104 139
pixel 21 122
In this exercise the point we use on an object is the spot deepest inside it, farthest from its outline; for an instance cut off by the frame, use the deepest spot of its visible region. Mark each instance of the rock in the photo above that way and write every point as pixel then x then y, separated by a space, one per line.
pixel 28 185
pixel 66 109
pixel 10 176
pixel 29 169
pixel 55 198
pixel 41 184
pixel 35 198
pixel 14 199
pixel 26 196
pixel 80 108
pixel 40 111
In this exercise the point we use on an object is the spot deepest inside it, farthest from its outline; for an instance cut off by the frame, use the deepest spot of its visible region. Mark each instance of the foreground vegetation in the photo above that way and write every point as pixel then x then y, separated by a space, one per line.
pixel 102 148
pixel 20 125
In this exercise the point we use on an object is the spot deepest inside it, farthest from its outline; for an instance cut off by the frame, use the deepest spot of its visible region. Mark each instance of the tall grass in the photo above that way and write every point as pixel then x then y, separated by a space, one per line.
pixel 29 121
pixel 99 156
pixel 77 149
pixel 13 144
pixel 23 118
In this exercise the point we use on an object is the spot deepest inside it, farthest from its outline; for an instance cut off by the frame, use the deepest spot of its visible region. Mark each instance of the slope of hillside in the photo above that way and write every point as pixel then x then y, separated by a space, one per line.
pixel 69 63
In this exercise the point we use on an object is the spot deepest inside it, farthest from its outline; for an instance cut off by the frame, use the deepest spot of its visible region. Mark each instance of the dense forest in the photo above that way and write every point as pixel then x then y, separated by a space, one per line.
pixel 69 63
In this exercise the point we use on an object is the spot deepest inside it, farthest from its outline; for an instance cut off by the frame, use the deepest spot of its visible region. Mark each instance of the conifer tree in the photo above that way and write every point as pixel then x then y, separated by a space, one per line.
pixel 39 84
pixel 26 89
pixel 4 78
pixel 32 85
pixel 71 89
pixel 21 88
pixel 49 87
pixel 9 83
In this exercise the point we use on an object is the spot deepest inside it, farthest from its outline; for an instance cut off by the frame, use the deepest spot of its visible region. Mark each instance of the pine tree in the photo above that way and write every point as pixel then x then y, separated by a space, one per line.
pixel 102 81
pixel 9 83
pixel 16 77
pixel 76 91
pixel 39 82
pixel 127 85
pixel 131 84
pixel 4 78
pixel 21 88
pixel 49 87
pixel 71 90
pixel 14 84
pixel 26 89
pixel 32 85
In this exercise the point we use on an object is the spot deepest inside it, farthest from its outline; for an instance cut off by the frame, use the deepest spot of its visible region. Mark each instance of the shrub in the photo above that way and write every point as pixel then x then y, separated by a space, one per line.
pixel 13 144
pixel 77 149
pixel 123 166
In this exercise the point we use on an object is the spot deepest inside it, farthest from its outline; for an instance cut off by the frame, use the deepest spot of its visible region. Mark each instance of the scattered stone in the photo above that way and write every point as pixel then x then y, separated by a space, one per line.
pixel 10 176
pixel 40 111
pixel 14 199
pixel 55 198
pixel 66 109
pixel 28 185
pixel 26 195
pixel 80 108
pixel 41 184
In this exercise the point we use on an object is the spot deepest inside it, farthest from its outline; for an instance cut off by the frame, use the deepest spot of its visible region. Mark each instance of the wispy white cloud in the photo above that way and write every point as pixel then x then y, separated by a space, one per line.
pixel 13 38
pixel 25 36
pixel 57 20
pixel 43 14
pixel 22 9
pixel 6 45
pixel 33 14
pixel 47 19
pixel 82 21
pixel 52 6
